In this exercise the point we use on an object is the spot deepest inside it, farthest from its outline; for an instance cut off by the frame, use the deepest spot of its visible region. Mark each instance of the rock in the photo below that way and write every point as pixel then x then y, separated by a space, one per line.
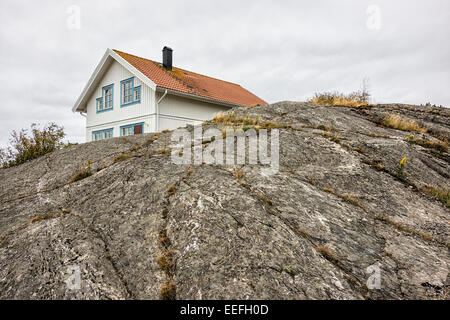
pixel 140 227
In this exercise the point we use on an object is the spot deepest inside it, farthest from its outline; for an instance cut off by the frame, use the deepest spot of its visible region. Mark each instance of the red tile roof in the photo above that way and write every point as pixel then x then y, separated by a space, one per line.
pixel 192 83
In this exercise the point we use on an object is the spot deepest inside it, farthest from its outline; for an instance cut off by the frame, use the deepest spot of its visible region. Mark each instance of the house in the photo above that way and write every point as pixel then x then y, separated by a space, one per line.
pixel 129 95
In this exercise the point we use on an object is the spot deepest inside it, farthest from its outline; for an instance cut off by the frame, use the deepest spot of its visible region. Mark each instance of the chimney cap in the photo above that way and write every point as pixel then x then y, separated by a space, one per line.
pixel 167 48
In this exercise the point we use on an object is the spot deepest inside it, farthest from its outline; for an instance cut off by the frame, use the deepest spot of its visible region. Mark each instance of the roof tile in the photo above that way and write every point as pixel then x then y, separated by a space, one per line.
pixel 192 83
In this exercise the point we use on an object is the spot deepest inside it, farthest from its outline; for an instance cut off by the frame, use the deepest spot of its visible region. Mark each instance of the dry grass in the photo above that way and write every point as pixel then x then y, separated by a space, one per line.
pixel 440 146
pixel 376 164
pixel 82 174
pixel 164 151
pixel 345 196
pixel 239 174
pixel 245 123
pixel 122 157
pixel 187 175
pixel 331 137
pixel 41 217
pixel 397 122
pixel 163 239
pixel 135 148
pixel 263 198
pixel 353 100
pixel 168 291
pixel 328 253
pixel 422 234
pixel 350 198
pixel 441 194
pixel 324 128
pixel 166 262
pixel 171 189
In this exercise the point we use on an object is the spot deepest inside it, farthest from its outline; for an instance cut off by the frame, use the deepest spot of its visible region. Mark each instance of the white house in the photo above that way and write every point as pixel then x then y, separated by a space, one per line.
pixel 129 95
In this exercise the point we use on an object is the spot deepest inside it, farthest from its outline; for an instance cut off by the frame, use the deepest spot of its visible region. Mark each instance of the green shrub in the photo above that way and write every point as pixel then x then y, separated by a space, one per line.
pixel 25 146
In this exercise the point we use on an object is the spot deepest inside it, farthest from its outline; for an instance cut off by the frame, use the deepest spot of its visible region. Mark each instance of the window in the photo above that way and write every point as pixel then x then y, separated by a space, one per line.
pixel 127 89
pixel 102 134
pixel 132 129
pixel 99 104
pixel 108 98
pixel 137 94
pixel 106 102
pixel 129 93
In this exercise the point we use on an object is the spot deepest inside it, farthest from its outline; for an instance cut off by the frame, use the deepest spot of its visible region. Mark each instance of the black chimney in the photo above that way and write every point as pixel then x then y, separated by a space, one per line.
pixel 167 58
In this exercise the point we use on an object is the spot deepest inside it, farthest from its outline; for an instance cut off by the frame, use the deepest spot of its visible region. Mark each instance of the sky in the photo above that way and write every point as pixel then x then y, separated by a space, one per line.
pixel 279 50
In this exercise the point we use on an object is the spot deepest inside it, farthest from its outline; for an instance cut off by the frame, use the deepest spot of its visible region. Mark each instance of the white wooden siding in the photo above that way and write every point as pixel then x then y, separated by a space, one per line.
pixel 174 111
pixel 119 116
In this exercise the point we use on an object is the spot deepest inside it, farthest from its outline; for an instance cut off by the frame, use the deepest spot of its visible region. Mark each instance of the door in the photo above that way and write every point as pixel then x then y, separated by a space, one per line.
pixel 138 129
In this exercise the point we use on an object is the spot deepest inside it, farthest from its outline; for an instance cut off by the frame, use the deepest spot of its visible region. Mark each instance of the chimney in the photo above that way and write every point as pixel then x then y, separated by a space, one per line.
pixel 167 58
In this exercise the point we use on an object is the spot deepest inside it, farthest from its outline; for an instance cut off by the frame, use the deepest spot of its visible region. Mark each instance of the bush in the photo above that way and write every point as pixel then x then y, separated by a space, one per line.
pixel 25 146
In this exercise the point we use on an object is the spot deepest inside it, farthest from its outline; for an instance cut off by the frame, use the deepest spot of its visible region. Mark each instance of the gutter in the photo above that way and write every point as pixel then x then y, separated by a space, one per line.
pixel 157 110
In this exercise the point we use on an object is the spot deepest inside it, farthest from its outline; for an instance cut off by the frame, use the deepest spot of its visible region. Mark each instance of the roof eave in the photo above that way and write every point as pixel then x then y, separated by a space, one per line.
pixel 80 104
pixel 198 97
pixel 78 107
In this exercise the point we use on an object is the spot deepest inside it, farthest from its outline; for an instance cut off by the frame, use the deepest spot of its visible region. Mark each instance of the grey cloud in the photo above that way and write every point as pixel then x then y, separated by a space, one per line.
pixel 278 50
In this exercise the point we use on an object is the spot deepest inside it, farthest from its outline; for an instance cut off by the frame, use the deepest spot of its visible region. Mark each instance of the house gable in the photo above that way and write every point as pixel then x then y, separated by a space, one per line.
pixel 108 58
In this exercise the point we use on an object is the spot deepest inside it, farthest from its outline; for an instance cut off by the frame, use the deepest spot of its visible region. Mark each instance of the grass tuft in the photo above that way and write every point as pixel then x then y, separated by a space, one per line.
pixel 438 146
pixel 168 291
pixel 353 100
pixel 41 217
pixel 164 151
pixel 166 262
pixel 171 189
pixel 441 194
pixel 122 157
pixel 164 239
pixel 397 122
pixel 328 254
pixel 82 174
pixel 331 137
pixel 239 174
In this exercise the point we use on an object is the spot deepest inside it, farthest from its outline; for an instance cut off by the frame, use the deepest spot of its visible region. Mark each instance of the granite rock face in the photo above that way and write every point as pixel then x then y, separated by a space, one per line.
pixel 335 219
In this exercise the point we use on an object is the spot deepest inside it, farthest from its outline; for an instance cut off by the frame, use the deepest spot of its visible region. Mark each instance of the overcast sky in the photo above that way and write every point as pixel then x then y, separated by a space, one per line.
pixel 279 50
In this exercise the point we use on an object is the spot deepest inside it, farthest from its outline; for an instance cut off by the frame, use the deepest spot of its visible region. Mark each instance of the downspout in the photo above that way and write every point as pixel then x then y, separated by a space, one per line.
pixel 157 110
